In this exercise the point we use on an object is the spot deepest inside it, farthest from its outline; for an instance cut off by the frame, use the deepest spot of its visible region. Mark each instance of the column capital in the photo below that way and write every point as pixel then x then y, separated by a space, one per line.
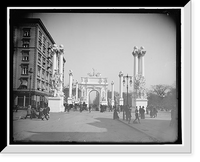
pixel 57 49
pixel 120 74
pixel 142 51
pixel 138 51
pixel 112 83
pixel 70 73
pixel 135 51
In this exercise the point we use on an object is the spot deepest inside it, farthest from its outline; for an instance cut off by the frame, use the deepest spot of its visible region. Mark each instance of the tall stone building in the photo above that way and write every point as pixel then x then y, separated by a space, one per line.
pixel 32 62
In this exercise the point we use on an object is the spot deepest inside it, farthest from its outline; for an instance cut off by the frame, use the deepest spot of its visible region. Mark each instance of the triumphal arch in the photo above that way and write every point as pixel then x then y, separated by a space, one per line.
pixel 94 82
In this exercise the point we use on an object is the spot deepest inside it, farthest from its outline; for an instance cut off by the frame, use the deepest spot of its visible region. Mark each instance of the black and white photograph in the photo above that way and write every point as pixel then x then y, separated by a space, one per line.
pixel 81 76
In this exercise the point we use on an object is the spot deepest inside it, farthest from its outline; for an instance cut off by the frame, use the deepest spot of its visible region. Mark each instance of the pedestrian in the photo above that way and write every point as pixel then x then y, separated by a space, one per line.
pixel 142 113
pixel 129 115
pixel 33 112
pixel 101 108
pixel 16 108
pixel 115 114
pixel 29 112
pixel 136 115
pixel 41 113
pixel 67 107
pixel 151 112
pixel 155 112
pixel 174 117
pixel 127 112
pixel 90 109
pixel 80 107
pixel 46 112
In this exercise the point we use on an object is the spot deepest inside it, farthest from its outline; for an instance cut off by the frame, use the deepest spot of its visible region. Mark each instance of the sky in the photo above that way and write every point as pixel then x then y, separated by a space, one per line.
pixel 105 41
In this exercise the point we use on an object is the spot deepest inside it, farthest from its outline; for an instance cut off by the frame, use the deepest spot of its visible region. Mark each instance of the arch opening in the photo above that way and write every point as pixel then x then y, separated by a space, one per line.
pixel 94 100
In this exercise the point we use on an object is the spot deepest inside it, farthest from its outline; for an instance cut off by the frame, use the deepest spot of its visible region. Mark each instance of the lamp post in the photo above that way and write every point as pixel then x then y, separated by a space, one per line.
pixel 126 79
pixel 30 72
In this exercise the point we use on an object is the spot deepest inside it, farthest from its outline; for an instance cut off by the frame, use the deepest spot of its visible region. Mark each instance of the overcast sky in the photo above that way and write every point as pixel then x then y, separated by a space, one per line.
pixel 105 41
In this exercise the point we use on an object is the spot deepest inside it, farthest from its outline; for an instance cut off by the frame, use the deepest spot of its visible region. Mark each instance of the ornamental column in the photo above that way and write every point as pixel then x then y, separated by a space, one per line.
pixel 54 63
pixel 143 65
pixel 135 54
pixel 76 90
pixel 112 89
pixel 70 87
pixel 61 51
pixel 120 88
pixel 54 50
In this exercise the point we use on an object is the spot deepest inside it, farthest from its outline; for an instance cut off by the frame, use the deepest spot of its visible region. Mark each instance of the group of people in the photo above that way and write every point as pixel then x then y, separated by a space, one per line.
pixel 75 107
pixel 139 114
pixel 153 112
pixel 43 113
pixel 83 107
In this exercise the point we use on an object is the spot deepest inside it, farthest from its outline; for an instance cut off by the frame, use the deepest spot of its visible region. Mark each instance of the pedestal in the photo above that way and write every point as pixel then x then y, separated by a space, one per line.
pixel 69 100
pixel 121 101
pixel 141 102
pixel 104 103
pixel 56 104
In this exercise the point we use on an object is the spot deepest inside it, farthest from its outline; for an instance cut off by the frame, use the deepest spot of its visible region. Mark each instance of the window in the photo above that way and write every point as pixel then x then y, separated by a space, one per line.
pixel 38 71
pixel 38 85
pixel 43 86
pixel 40 35
pixel 44 44
pixel 26 32
pixel 39 58
pixel 40 40
pixel 26 43
pixel 25 55
pixel 43 62
pixel 47 76
pixel 47 87
pixel 24 83
pixel 44 48
pixel 43 71
pixel 40 44
pixel 24 69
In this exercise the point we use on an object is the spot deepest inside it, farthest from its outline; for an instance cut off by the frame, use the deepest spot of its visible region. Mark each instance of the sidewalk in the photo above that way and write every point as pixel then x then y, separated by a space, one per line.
pixel 19 114
pixel 158 128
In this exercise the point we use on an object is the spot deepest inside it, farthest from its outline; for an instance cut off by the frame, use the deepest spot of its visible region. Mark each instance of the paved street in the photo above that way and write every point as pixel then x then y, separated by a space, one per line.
pixel 76 127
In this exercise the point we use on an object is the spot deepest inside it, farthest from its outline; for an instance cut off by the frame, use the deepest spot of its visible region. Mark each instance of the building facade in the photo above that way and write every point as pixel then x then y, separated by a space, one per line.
pixel 32 63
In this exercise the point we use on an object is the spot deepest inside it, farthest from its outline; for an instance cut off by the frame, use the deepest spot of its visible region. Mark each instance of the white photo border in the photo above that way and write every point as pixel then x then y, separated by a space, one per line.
pixel 186 95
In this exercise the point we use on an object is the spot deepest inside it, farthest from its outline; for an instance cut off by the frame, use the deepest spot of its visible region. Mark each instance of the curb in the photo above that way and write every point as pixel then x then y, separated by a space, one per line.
pixel 150 136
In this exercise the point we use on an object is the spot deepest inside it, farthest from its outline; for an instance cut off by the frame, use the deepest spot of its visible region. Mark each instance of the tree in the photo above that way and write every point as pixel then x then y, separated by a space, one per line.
pixel 170 101
pixel 161 89
pixel 154 99
pixel 163 96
